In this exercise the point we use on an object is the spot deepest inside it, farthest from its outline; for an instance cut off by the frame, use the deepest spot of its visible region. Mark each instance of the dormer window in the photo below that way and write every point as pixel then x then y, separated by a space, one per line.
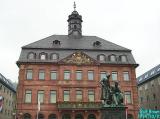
pixel 146 76
pixel 101 57
pixel 54 56
pixel 56 42
pixel 43 56
pixel 97 43
pixel 31 55
pixel 112 58
pixel 123 58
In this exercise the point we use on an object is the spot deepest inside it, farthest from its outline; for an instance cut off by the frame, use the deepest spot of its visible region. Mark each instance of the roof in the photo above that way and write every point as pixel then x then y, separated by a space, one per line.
pixel 149 75
pixel 85 42
pixel 7 83
pixel 69 45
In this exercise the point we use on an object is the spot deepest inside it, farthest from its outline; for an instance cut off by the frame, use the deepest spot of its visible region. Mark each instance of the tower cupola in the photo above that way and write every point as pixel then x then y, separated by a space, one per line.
pixel 75 24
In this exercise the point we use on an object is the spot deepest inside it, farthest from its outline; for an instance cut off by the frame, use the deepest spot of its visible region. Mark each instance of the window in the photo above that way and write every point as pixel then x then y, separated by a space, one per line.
pixel 53 75
pixel 126 76
pixel 27 116
pixel 101 57
pixel 146 86
pixel 67 75
pixel 154 96
pixel 43 56
pixel 66 95
pixel 159 80
pixel 91 96
pixel 53 97
pixel 79 75
pixel 41 75
pixel 4 89
pixel 152 72
pixel 90 75
pixel 147 98
pixel 56 42
pixel 102 75
pixel 140 88
pixel 29 74
pixel 31 56
pixel 40 96
pixel 1 87
pixel 52 116
pixel 123 58
pixel 28 96
pixel 114 75
pixel 79 95
pixel 152 83
pixel 127 95
pixel 112 58
pixel 146 76
pixel 141 99
pixel 54 56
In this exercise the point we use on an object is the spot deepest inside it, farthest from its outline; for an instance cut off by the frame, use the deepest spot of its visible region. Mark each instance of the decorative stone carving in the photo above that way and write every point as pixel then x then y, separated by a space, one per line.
pixel 78 58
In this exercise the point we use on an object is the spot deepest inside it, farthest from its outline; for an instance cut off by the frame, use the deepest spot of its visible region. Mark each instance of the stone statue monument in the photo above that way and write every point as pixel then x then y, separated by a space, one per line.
pixel 113 106
pixel 112 96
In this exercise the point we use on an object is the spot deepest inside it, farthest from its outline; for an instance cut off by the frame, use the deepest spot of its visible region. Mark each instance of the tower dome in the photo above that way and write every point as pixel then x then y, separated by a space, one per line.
pixel 75 24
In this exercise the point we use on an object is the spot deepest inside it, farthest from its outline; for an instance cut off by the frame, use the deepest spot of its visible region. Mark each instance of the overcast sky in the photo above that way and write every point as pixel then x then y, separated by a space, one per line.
pixel 134 24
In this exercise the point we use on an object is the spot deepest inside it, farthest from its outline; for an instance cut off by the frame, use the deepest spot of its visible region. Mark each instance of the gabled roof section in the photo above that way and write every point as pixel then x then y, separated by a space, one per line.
pixel 149 75
pixel 83 43
pixel 78 58
pixel 7 83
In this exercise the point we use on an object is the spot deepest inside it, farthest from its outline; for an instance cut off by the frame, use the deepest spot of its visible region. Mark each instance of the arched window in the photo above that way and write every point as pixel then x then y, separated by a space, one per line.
pixel 129 116
pixel 40 116
pixel 43 56
pixel 52 116
pixel 66 116
pixel 123 58
pixel 91 116
pixel 54 56
pixel 31 55
pixel 112 58
pixel 78 116
pixel 27 116
pixel 101 57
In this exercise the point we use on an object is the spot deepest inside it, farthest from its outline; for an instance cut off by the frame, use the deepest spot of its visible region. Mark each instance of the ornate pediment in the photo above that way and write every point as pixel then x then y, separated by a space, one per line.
pixel 79 58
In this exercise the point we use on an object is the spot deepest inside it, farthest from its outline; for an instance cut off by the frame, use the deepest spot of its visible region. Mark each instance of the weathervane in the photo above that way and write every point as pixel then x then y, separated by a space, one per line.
pixel 74 6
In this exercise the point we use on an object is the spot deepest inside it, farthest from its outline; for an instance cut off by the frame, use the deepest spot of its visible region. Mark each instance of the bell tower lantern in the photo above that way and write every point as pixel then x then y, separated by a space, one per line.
pixel 75 24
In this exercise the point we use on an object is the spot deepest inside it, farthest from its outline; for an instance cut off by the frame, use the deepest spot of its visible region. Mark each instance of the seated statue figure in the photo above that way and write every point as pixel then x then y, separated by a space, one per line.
pixel 117 95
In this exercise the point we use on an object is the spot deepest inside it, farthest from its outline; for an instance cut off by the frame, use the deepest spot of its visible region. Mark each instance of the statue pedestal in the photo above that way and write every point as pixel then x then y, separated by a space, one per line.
pixel 116 112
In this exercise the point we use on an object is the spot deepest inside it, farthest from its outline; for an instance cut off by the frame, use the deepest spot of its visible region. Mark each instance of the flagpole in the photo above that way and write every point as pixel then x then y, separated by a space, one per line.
pixel 37 114
pixel 126 108
pixel 39 107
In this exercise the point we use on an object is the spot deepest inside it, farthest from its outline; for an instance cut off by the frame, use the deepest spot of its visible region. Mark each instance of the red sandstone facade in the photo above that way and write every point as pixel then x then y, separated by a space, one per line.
pixel 60 84
pixel 90 56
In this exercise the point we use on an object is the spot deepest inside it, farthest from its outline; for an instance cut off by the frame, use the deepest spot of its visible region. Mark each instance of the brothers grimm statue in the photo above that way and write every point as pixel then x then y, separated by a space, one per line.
pixel 111 95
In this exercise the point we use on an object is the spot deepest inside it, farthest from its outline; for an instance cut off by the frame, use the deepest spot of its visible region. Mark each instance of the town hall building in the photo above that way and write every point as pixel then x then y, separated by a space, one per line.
pixel 63 73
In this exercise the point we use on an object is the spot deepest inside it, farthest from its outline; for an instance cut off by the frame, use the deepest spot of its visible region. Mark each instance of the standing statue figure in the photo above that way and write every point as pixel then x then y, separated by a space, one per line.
pixel 117 95
pixel 106 90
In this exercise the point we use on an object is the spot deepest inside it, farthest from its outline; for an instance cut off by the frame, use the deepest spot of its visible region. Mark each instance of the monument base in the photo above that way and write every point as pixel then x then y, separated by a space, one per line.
pixel 116 112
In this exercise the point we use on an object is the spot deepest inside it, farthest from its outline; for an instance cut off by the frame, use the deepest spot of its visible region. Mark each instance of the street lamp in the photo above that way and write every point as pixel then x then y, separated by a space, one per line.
pixel 14 115
pixel 20 115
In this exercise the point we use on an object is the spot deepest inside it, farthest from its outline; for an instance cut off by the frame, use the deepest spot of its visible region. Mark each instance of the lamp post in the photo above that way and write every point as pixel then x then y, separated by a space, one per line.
pixel 14 115
pixel 20 115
